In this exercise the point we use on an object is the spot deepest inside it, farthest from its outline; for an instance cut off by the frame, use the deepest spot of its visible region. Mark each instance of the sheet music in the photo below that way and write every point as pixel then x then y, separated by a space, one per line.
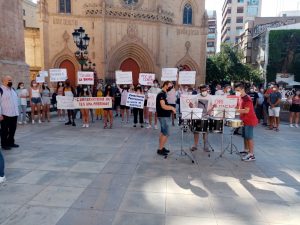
pixel 229 113
pixel 192 113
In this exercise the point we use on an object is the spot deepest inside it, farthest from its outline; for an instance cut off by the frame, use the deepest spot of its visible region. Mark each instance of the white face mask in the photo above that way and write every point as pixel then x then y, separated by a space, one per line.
pixel 22 87
pixel 85 89
pixel 146 89
pixel 229 90
pixel 237 93
pixel 155 85
pixel 251 90
pixel 34 85
pixel 60 84
pixel 204 93
pixel 46 85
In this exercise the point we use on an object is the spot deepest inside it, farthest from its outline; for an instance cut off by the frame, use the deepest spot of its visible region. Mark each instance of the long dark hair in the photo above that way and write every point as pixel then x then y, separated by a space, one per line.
pixel 19 84
pixel 82 91
pixel 43 87
pixel 107 91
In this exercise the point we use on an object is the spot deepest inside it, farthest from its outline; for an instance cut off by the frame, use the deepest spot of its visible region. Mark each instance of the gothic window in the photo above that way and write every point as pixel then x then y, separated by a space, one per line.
pixel 65 6
pixel 130 2
pixel 187 14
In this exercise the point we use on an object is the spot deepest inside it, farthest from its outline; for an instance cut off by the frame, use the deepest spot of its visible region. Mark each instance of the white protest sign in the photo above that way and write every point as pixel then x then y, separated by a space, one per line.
pixel 92 102
pixel 146 78
pixel 85 77
pixel 40 79
pixel 151 101
pixel 43 73
pixel 123 77
pixel 64 102
pixel 187 77
pixel 169 74
pixel 224 101
pixel 57 75
pixel 185 101
pixel 135 100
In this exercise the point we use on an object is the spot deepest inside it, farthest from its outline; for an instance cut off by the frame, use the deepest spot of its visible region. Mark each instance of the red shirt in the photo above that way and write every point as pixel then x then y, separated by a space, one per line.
pixel 249 118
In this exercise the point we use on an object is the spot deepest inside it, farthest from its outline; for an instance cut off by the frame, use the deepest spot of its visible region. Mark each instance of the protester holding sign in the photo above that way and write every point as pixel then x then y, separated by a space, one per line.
pixel 153 90
pixel 60 92
pixel 35 100
pixel 124 90
pixel 138 111
pixel 46 100
pixel 85 112
pixel 108 113
pixel 70 92
pixel 99 112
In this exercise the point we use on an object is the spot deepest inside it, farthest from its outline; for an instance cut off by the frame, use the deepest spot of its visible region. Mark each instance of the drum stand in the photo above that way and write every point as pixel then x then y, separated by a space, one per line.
pixel 231 147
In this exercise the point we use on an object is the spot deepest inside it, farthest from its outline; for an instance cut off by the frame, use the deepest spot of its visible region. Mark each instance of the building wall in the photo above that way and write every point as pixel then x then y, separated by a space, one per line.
pixel 12 51
pixel 30 14
pixel 116 37
pixel 212 36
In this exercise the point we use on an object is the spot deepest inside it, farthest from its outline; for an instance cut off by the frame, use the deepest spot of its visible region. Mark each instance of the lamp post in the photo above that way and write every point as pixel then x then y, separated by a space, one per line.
pixel 82 40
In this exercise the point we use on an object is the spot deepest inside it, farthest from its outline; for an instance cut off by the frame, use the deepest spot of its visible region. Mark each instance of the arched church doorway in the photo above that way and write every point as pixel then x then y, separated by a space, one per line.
pixel 130 64
pixel 67 64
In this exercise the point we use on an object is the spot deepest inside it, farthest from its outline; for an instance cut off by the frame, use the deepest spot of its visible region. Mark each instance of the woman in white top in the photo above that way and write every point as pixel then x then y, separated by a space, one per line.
pixel 153 90
pixel 124 109
pixel 22 95
pixel 35 100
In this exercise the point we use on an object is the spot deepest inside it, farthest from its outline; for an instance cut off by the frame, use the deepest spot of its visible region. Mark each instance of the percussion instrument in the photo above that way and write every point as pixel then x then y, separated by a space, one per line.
pixel 234 123
pixel 201 125
pixel 216 125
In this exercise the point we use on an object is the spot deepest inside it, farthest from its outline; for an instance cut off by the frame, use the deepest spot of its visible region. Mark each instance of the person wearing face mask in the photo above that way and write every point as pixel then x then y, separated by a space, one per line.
pixel 46 100
pixel 219 90
pixel 260 101
pixel 85 112
pixel 117 96
pixel 124 109
pixel 69 91
pixel 146 109
pixel 22 95
pixel 60 92
pixel 205 103
pixel 274 100
pixel 171 97
pixel 249 119
pixel 227 90
pixel 35 101
pixel 108 113
pixel 153 90
pixel 295 109
pixel 99 112
pixel 137 112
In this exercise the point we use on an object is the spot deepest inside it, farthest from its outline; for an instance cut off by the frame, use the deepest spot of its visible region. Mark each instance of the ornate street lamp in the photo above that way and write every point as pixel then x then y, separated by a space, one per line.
pixel 82 40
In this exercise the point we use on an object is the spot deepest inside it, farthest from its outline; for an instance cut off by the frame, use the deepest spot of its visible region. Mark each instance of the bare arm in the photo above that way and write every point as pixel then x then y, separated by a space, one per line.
pixel 166 107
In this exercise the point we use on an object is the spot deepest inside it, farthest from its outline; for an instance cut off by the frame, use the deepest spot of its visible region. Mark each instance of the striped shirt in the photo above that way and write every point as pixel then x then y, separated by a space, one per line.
pixel 9 102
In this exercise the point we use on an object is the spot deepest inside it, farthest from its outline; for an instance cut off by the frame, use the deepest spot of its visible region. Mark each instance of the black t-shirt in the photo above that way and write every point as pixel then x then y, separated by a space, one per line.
pixel 160 111
pixel 254 96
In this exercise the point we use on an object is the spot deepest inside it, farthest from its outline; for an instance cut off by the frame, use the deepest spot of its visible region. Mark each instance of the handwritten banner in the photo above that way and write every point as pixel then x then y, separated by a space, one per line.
pixel 135 100
pixel 224 102
pixel 187 77
pixel 151 101
pixel 57 75
pixel 65 102
pixel 146 78
pixel 169 74
pixel 85 77
pixel 123 77
pixel 92 103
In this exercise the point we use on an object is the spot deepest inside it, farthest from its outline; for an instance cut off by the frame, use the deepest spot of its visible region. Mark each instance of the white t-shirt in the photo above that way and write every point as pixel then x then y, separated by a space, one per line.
pixel 171 96
pixel 219 92
pixel 23 92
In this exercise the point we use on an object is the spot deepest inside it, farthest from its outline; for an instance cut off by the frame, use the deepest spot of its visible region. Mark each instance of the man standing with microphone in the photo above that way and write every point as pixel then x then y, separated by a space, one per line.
pixel 163 113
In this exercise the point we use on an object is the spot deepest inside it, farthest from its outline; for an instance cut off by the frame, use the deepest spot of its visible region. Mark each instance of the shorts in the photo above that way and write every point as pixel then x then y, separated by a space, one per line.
pixel 295 108
pixel 36 100
pixel 107 109
pixel 164 127
pixel 124 107
pixel 46 100
pixel 247 132
pixel 145 103
pixel 274 112
pixel 152 110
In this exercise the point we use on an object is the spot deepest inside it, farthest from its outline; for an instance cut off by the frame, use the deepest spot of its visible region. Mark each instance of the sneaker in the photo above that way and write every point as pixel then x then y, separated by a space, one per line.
pixel 134 125
pixel 74 124
pixel 25 122
pixel 2 179
pixel 296 125
pixel 161 152
pixel 194 148
pixel 40 121
pixel 20 123
pixel 142 126
pixel 249 157
pixel 68 123
pixel 206 149
pixel 166 150
pixel 83 125
pixel 32 121
pixel 87 125
pixel 149 126
pixel 244 153
pixel 155 127
pixel 59 119
pixel 291 125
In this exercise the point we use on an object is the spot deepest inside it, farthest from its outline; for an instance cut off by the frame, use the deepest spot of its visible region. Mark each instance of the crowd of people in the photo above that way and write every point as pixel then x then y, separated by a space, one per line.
pixel 264 108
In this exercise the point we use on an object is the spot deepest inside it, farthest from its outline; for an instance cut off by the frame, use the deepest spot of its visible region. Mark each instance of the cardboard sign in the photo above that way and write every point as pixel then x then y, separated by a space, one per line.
pixel 85 77
pixel 187 77
pixel 43 73
pixel 40 79
pixel 185 101
pixel 151 102
pixel 146 78
pixel 224 102
pixel 92 102
pixel 169 74
pixel 57 75
pixel 64 102
pixel 135 100
pixel 123 77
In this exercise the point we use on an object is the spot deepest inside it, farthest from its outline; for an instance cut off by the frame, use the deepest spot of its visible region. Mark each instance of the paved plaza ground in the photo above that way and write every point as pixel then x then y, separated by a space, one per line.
pixel 76 176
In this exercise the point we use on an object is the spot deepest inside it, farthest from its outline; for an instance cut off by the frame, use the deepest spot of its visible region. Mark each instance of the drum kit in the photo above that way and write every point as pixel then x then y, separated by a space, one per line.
pixel 197 123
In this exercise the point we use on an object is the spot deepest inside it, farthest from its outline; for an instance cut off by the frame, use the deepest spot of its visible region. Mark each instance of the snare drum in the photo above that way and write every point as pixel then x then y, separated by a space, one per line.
pixel 201 125
pixel 216 125
pixel 235 123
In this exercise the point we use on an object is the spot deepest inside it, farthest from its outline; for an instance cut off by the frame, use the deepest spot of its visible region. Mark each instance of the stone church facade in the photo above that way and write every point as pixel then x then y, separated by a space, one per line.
pixel 136 35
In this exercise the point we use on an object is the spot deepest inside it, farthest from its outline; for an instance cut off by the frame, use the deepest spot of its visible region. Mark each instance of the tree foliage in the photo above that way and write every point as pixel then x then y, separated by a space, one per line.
pixel 227 66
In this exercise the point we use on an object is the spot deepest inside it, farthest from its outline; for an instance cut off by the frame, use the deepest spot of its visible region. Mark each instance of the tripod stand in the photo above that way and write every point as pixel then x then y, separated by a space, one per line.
pixel 231 147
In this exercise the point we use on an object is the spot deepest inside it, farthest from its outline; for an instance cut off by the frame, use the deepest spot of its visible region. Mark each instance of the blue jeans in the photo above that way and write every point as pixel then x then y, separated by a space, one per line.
pixel 248 132
pixel 1 165
pixel 22 113
pixel 164 128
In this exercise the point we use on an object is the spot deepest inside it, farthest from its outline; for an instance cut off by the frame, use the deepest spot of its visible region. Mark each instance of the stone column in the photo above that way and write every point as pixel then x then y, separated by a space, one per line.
pixel 12 49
